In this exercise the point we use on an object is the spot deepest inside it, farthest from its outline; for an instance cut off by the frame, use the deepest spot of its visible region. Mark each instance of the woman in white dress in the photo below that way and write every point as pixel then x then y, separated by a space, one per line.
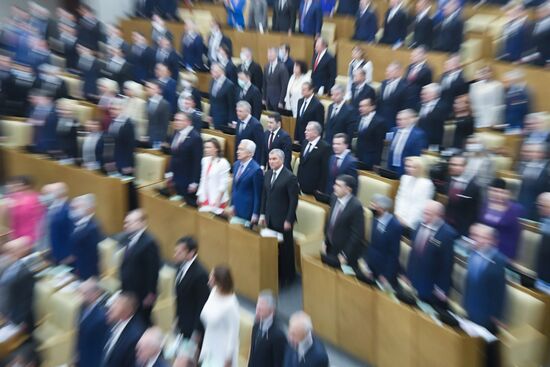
pixel 487 99
pixel 220 317
pixel 414 192
pixel 212 194
pixel 294 88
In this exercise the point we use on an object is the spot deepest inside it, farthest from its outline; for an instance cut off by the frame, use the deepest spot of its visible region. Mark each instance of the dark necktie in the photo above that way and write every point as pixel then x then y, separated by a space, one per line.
pixel 270 140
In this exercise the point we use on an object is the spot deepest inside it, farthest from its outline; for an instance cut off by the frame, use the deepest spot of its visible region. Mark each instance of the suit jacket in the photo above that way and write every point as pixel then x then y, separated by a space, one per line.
pixel 313 170
pixel 395 29
pixel 389 106
pixel 348 230
pixel 123 353
pixel 222 105
pixel 254 97
pixel 279 201
pixel 382 255
pixel 518 102
pixel 17 290
pixel 256 74
pixel 191 295
pixel 246 194
pixel 60 229
pixel 348 166
pixel 449 35
pixel 416 81
pixel 57 91
pixel 515 44
pixel 143 62
pixel 370 142
pixel 225 41
pixel 93 333
pixel 315 111
pixel 451 90
pixel 253 131
pixel 423 32
pixel 45 135
pixel 345 121
pixel 543 256
pixel 275 84
pixel 90 75
pixel 168 9
pixel 366 26
pixel 140 265
pixel 462 209
pixel 172 60
pixel 169 93
pixel 235 16
pixel 123 74
pixel 192 51
pixel 231 72
pixel 84 241
pixel 347 7
pixel 280 141
pixel 357 96
pixel 324 74
pixel 70 53
pixel 432 266
pixel 284 19
pixel 416 142
pixel 257 14
pixel 119 145
pixel 312 21
pixel 315 356
pixel 98 151
pixel 267 350
pixel 531 187
pixel 185 161
pixel 433 123
pixel 540 44
pixel 89 33
pixel 159 118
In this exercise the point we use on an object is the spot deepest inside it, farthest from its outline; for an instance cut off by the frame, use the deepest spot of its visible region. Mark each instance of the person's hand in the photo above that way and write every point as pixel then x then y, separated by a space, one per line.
pixel 281 105
pixel 287 226
pixel 229 211
pixel 149 300
pixel 439 294
pixel 228 363
pixel 68 260
pixel 254 219
pixel 290 32
pixel 324 248
pixel 110 167
pixel 362 264
pixel 342 259
pixel 261 222
pixel 192 188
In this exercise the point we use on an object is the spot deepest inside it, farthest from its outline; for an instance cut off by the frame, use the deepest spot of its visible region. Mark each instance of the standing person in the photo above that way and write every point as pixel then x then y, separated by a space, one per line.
pixel 449 32
pixel 257 16
pixel 315 152
pixel 418 75
pixel 299 76
pixel 249 128
pixel 311 17
pixel 220 317
pixel 277 138
pixel 534 170
pixel 119 141
pixel 278 211
pixel 249 65
pixel 395 24
pixel 487 99
pixel 212 193
pixel 149 348
pixel 341 162
pixel 250 93
pixel 275 81
pixel 371 133
pixel 464 121
pixel 323 68
pixel 140 265
pixel 60 224
pixel 221 97
pixel 393 95
pixel 341 116
pixel 432 115
pixel 366 22
pixel 309 109
pixel 423 27
pixel 284 16
pixel 43 119
pixel 158 114
pixel 303 348
pixel 408 140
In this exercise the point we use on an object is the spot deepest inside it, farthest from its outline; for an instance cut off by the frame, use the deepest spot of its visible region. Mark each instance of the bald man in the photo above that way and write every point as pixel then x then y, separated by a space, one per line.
pixel 431 257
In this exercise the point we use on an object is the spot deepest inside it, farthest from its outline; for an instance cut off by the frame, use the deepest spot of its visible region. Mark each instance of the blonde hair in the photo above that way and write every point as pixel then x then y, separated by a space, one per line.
pixel 419 163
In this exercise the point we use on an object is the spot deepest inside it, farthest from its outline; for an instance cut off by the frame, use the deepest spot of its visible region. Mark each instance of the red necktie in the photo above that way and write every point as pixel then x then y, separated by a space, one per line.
pixel 317 59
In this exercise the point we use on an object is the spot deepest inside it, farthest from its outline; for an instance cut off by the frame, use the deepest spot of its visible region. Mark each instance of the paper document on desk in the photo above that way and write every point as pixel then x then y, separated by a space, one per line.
pixel 475 330
pixel 238 220
pixel 348 270
pixel 8 331
pixel 269 233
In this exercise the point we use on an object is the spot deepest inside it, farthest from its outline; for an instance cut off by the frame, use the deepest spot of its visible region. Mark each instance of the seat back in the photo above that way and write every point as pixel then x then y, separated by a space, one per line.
pixel 368 224
pixel 205 108
pixel 74 85
pixel 263 120
pixel 404 252
pixel 458 282
pixel 206 136
pixel 370 185
pixel 65 308
pixel 246 323
pixel 528 248
pixel 107 249
pixel 167 277
pixel 149 168
pixel 328 32
pixel 310 220
pixel 491 140
pixel 448 134
pixel 17 133
pixel 502 163
pixel 522 308
pixel 296 166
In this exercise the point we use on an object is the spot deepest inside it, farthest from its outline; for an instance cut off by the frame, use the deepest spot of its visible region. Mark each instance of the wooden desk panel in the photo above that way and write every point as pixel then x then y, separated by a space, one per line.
pixel 212 236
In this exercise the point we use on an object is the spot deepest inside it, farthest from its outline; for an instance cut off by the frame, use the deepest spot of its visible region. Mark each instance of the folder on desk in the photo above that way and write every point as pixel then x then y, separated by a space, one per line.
pixel 266 232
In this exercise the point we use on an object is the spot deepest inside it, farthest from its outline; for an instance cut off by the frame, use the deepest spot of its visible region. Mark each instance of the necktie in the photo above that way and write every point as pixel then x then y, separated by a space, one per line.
pixel 455 190
pixel 398 148
pixel 317 59
pixel 215 88
pixel 240 171
pixel 335 166
pixel 389 89
pixel 181 274
pixel 334 217
pixel 270 140
pixel 422 239
pixel 271 68
pixel 273 178
pixel 304 107
pixel 176 141
pixel 335 110
pixel 308 149
pixel 242 126
pixel 365 122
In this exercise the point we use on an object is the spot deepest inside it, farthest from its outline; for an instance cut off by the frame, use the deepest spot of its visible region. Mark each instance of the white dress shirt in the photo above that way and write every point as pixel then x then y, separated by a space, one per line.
pixel 412 196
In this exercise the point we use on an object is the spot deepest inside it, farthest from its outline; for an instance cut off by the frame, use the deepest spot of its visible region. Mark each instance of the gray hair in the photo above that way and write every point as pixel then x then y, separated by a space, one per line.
pixel 434 88
pixel 268 296
pixel 317 126
pixel 245 105
pixel 303 320
pixel 278 152
pixel 87 200
pixel 338 87
pixel 249 146
pixel 382 201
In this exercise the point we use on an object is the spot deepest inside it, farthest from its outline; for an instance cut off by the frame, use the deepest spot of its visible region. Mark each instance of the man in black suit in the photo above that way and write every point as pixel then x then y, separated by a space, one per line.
pixel 149 349
pixel 418 75
pixel 89 28
pixel 142 58
pixel 276 138
pixel 188 106
pixel 313 170
pixel 463 195
pixel 117 68
pixel 139 270
pixel 250 93
pixel 393 94
pixel 309 109
pixel 165 54
pixel 7 81
pixel 252 67
pixel 371 133
pixel 395 24
pixel 248 127
pixel 366 22
pixel 268 339
pixel 278 210
pixel 49 80
pixel 453 83
pixel 449 32
pixel 433 114
pixel 275 81
pixel 360 89
pixel 284 16
pixel 323 68
pixel 127 329
pixel 423 26
pixel 534 170
pixel 221 97
pixel 191 286
pixel 158 114
pixel 341 117
pixel 345 227
pixel 119 141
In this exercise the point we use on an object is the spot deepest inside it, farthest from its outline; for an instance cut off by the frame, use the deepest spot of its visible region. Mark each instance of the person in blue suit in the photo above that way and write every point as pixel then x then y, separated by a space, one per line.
pixel 168 9
pixel 142 58
pixel 277 138
pixel 235 13
pixel 168 84
pixel 341 162
pixel 246 194
pixel 60 224
pixel 381 259
pixel 517 100
pixel 89 68
pixel 85 237
pixel 485 290
pixel 408 140
pixel 119 142
pixel 248 127
pixel 515 35
pixel 38 54
pixel 90 32
pixel 300 333
pixel 366 22
pixel 431 258
pixel 145 8
pixel 186 154
pixel 347 7
pixel 221 97
pixel 311 17
pixel 93 329
pixel 192 48
pixel 44 119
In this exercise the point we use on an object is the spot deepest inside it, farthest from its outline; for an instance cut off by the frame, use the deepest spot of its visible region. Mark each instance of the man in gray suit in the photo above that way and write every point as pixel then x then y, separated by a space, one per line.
pixel 275 81
pixel 158 114
pixel 257 15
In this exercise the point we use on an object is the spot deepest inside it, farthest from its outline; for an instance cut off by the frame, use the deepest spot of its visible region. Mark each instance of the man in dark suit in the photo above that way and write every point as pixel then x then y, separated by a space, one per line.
pixel 381 258
pixel 49 81
pixel 453 83
pixel 43 118
pixel 85 237
pixel 68 42
pixel 149 348
pixel 158 114
pixel 534 170
pixel 303 348
pixel 188 107
pixel 418 75
pixel 168 86
pixel 275 81
pixel 323 68
pixel 119 141
pixel 371 133
pixel 117 68
pixel 224 59
pixel 93 330
pixel 142 58
pixel 423 26
pixel 252 67
pixel 309 109
pixel 345 226
pixel 221 96
pixel 165 54
pixel 145 8
pixel 341 162
pixel 184 170
pixel 407 141
pixel 278 210
pixel 92 146
pixel 395 24
pixel 449 32
pixel 216 40
pixel 517 99
pixel 311 18
pixel 515 34
pixel 89 28
pixel 268 339
pixel 89 69
pixel 7 81
pixel 539 39
pixel 284 16
pixel 431 258
pixel 140 265
pixel 276 138
pixel 126 330
pixel 485 289
pixel 366 23
pixel 249 128
pixel 250 93
pixel 60 224
pixel 393 94
pixel 341 117
pixel 315 152
pixel 433 114
pixel 360 89
pixel 191 286
pixel 543 254
pixel 246 193
pixel 464 197
pixel 192 48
